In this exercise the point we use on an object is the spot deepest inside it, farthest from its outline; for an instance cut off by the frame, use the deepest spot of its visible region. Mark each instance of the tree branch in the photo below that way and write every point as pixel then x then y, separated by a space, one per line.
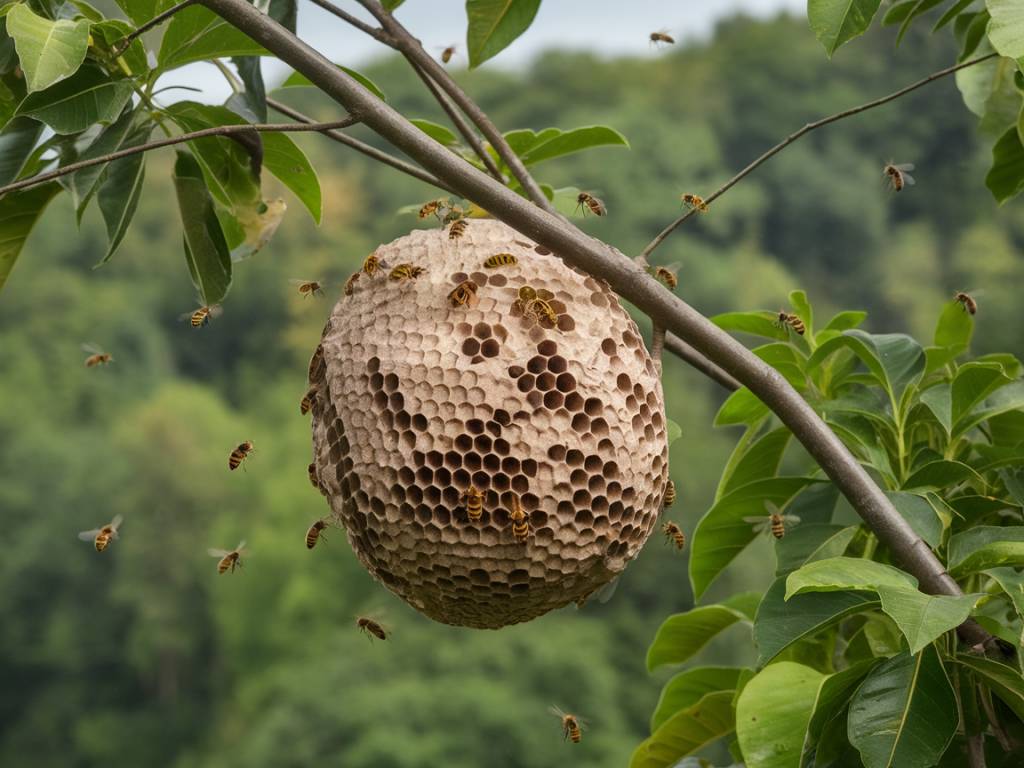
pixel 642 258
pixel 688 354
pixel 218 130
pixel 160 18
pixel 628 280
pixel 374 32
pixel 370 151
pixel 411 48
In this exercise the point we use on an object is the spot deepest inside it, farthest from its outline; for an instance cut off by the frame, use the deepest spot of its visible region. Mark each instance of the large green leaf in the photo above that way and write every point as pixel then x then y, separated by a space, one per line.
pixel 109 34
pixel 809 542
pixel 1006 29
pixel 19 212
pixel 682 635
pixel 118 196
pixel 939 400
pixel 1003 400
pixel 937 475
pixel 690 686
pixel 74 104
pixel 1005 178
pixel 920 514
pixel 16 142
pixel 984 547
pixel 774 712
pixel 922 618
pixel 894 359
pixel 299 80
pixel 197 34
pixel 741 407
pixel 904 714
pixel 780 623
pixel 206 250
pixel 83 184
pixel 837 574
pixel 494 25
pixel 687 731
pixel 1005 681
pixel 838 21
pixel 722 533
pixel 973 383
pixel 833 697
pixel 49 51
pixel 285 160
pixel 576 140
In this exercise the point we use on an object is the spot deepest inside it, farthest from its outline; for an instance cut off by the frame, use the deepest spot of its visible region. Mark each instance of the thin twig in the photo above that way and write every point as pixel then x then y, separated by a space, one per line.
pixel 359 146
pixel 217 130
pixel 160 18
pixel 688 354
pixel 642 258
pixel 362 26
pixel 411 48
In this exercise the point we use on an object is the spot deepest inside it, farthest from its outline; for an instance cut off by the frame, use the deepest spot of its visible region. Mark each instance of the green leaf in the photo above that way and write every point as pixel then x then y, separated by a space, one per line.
pixel 438 133
pixel 757 323
pixel 951 13
pixel 74 104
pixel 198 34
pixel 836 22
pixel 807 543
pixel 802 308
pixel 112 32
pixel 390 5
pixel 141 11
pixel 774 712
pixel 16 142
pixel 206 250
pixel 118 196
pixel 894 359
pixel 1006 29
pixel 920 7
pixel 1012 584
pixel 741 407
pixel 1006 399
pixel 575 140
pixel 920 514
pixel 939 400
pixel 283 158
pixel 845 573
pixel 923 618
pixel 19 212
pixel 687 731
pixel 83 184
pixel 299 80
pixel 954 328
pixel 494 25
pixel 1004 681
pixel 904 714
pixel 833 697
pixel 680 636
pixel 251 102
pixel 722 533
pixel 757 461
pixel 780 622
pixel 690 686
pixel 672 431
pixel 937 475
pixel 973 383
pixel 49 51
pixel 844 321
pixel 1006 176
pixel 984 547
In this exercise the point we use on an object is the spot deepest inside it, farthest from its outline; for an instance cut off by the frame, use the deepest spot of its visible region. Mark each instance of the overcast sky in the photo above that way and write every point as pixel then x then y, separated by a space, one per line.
pixel 613 27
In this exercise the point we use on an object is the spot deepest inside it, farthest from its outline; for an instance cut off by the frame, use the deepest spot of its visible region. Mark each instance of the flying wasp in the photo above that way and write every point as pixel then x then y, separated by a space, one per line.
pixel 308 287
pixel 101 537
pixel 674 534
pixel 405 272
pixel 315 533
pixel 228 559
pixel 200 317
pixel 500 260
pixel 898 176
pixel 969 304
pixel 239 455
pixel 520 524
pixel 464 295
pixel 775 522
pixel 694 202
pixel 667 275
pixel 371 627
pixel 662 37
pixel 96 356
pixel 587 202
pixel 670 494
pixel 448 53
pixel 572 726
pixel 434 207
pixel 474 501
pixel 457 229
pixel 793 321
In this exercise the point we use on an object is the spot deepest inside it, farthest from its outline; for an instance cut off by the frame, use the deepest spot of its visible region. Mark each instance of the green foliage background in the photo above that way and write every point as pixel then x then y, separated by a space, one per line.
pixel 143 656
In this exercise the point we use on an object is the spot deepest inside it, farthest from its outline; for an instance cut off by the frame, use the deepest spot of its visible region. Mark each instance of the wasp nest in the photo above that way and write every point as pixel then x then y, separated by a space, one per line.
pixel 550 407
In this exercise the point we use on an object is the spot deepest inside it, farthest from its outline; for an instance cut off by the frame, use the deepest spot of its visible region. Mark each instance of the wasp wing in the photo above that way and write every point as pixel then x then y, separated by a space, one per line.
pixel 89 535
pixel 218 553
pixel 92 348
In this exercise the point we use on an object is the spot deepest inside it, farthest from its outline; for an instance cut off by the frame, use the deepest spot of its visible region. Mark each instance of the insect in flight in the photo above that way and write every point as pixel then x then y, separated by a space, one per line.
pixel 587 202
pixel 500 260
pixel 448 53
pixel 674 534
pixel 464 295
pixel 474 501
pixel 350 284
pixel 694 202
pixel 572 725
pixel 96 356
pixel 775 522
pixel 315 533
pixel 239 455
pixel 969 304
pixel 371 265
pixel 793 321
pixel 308 400
pixel 668 275
pixel 406 272
pixel 898 176
pixel 662 37
pixel 202 316
pixel 101 537
pixel 372 627
pixel 520 523
pixel 434 207
pixel 308 287
pixel 228 560
pixel 457 229
pixel 670 494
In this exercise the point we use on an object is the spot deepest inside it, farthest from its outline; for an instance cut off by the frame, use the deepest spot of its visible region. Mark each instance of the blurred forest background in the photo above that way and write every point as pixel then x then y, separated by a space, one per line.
pixel 143 656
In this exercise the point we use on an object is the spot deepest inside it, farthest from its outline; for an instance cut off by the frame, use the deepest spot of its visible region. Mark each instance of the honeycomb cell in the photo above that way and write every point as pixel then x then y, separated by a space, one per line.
pixel 418 407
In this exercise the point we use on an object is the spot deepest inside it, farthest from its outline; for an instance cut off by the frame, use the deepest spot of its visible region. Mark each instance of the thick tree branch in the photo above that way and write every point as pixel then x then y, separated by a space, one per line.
pixel 218 130
pixel 627 279
pixel 359 146
pixel 160 18
pixel 642 258
pixel 411 48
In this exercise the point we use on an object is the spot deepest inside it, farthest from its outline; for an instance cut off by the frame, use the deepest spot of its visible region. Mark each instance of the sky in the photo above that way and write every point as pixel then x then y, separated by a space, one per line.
pixel 613 27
